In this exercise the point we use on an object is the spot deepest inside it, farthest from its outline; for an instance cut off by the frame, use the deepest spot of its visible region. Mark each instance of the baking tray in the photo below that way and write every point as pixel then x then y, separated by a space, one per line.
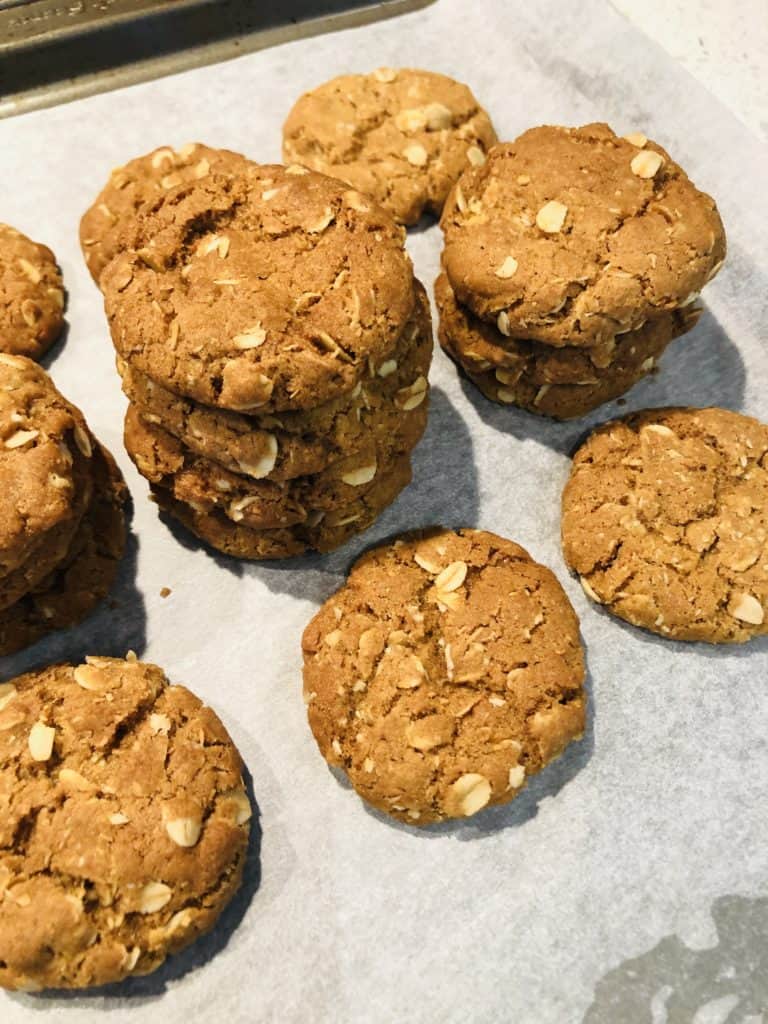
pixel 627 883
pixel 52 51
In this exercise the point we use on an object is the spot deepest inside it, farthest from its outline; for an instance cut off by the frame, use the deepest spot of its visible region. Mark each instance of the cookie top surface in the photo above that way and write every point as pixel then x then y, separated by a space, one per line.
pixel 43 443
pixel 665 519
pixel 272 290
pixel 403 136
pixel 124 824
pixel 138 182
pixel 445 670
pixel 572 235
pixel 31 295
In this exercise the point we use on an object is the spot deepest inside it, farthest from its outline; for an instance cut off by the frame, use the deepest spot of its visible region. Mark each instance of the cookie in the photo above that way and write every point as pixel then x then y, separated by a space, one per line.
pixel 665 521
pixel 403 136
pixel 85 577
pixel 124 826
pixel 276 289
pixel 324 532
pixel 570 236
pixel 445 672
pixel 31 295
pixel 44 454
pixel 287 445
pixel 563 383
pixel 263 504
pixel 103 226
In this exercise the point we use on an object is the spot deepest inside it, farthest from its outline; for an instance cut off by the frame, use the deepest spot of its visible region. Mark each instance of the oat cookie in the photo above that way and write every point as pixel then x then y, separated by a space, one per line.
pixel 445 671
pixel 665 520
pixel 263 504
pixel 571 236
pixel 276 289
pixel 324 532
pixel 45 450
pixel 125 822
pixel 403 136
pixel 559 382
pixel 283 446
pixel 76 585
pixel 103 226
pixel 31 295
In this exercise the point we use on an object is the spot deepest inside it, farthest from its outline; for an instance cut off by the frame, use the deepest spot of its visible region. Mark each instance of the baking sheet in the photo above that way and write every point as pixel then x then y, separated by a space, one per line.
pixel 628 882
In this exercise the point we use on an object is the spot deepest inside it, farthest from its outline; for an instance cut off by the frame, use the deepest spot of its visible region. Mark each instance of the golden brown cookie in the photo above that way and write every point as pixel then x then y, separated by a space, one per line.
pixel 103 226
pixel 283 446
pixel 570 236
pixel 76 585
pixel 263 504
pixel 31 295
pixel 125 822
pixel 401 135
pixel 324 532
pixel 665 520
pixel 563 383
pixel 45 450
pixel 445 671
pixel 276 289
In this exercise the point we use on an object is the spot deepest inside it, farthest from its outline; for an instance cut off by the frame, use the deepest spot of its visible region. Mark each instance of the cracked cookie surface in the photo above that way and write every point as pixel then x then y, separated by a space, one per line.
pixel 665 520
pixel 124 822
pixel 284 446
pixel 401 135
pixel 570 236
pixel 275 289
pixel 140 181
pixel 31 295
pixel 563 383
pixel 444 672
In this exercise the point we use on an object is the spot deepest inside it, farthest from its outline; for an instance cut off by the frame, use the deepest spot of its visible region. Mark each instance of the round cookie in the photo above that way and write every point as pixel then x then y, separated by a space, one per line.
pixel 571 236
pixel 563 383
pixel 45 451
pixel 284 446
pixel 263 504
pixel 276 289
pixel 445 671
pixel 665 520
pixel 401 135
pixel 124 826
pixel 85 576
pixel 103 225
pixel 324 532
pixel 31 295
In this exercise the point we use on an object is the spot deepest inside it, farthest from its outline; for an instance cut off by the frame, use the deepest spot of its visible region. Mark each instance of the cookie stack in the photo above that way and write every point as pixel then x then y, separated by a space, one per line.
pixel 62 526
pixel 572 259
pixel 274 346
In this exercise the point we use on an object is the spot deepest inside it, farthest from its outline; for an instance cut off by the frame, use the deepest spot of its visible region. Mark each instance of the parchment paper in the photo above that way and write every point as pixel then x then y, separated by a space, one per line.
pixel 596 892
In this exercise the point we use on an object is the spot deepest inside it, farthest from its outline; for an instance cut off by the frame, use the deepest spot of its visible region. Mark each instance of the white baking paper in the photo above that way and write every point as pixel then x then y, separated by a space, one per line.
pixel 628 882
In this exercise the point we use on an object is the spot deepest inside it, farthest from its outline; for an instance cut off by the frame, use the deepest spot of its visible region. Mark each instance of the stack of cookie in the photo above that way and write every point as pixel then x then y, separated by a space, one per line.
pixel 62 526
pixel 274 346
pixel 572 259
